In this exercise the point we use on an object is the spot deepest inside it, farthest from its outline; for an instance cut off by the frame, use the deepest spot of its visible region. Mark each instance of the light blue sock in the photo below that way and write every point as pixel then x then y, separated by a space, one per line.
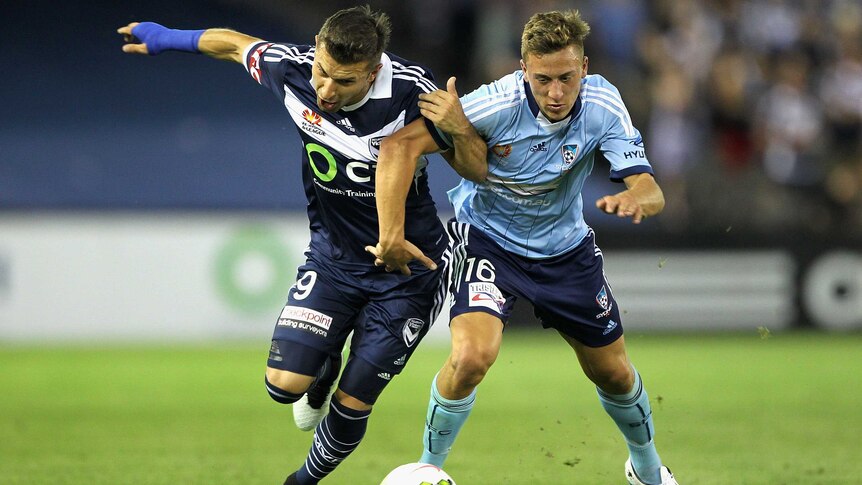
pixel 632 414
pixel 442 424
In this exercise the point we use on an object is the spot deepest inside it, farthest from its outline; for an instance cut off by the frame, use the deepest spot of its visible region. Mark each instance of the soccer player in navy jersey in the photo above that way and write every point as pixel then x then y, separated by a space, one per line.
pixel 344 94
pixel 521 233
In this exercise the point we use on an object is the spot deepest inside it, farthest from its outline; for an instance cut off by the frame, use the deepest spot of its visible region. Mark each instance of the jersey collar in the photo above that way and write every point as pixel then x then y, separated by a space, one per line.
pixel 540 117
pixel 381 88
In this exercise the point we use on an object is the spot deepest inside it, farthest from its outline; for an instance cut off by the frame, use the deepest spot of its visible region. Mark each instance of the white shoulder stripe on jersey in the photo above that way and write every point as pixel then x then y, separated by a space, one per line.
pixel 279 52
pixel 416 69
pixel 301 59
pixel 416 72
pixel 609 96
pixel 498 108
pixel 399 68
pixel 627 126
pixel 491 102
pixel 613 98
pixel 610 92
pixel 412 72
pixel 424 86
pixel 505 95
pixel 281 49
pixel 422 82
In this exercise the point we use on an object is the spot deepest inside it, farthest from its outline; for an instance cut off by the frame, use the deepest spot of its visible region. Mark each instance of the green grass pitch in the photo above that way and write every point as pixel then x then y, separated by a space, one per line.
pixel 738 409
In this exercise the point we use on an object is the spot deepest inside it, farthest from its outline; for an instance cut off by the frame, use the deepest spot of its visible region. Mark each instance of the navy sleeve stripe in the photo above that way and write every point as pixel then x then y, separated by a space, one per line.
pixel 619 176
pixel 441 142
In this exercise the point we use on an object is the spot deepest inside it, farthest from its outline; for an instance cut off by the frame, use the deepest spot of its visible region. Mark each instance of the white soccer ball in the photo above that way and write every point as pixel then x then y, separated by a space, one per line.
pixel 417 474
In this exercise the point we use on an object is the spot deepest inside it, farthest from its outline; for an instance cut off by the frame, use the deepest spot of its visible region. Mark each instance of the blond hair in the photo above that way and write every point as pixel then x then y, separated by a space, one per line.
pixel 553 31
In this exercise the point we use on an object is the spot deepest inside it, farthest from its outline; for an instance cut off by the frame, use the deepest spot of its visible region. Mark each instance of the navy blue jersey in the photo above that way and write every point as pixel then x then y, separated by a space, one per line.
pixel 340 151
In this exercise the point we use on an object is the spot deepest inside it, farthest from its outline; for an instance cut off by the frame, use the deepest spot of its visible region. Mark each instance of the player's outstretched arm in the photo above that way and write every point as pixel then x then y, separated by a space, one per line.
pixel 443 108
pixel 642 197
pixel 150 38
pixel 396 165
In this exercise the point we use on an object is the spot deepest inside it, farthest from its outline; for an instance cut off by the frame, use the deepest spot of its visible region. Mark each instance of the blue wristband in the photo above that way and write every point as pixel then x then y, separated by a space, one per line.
pixel 160 38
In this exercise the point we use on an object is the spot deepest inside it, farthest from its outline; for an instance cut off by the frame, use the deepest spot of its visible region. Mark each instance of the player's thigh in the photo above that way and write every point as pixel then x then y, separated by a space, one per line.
pixel 387 332
pixel 476 337
pixel 315 322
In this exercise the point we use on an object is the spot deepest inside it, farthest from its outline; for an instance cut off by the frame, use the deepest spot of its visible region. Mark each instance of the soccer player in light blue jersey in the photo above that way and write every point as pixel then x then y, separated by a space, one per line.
pixel 521 233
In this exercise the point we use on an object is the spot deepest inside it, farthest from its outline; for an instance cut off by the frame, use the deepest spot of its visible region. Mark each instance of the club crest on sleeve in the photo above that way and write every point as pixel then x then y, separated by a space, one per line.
pixel 254 62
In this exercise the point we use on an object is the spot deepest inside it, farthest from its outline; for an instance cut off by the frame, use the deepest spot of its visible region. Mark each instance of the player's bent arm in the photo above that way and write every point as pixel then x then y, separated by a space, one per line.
pixel 470 156
pixel 396 164
pixel 225 44
pixel 443 108
pixel 646 192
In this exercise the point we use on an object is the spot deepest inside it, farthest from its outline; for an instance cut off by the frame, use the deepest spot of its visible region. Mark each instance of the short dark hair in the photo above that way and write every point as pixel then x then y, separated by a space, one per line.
pixel 550 32
pixel 356 34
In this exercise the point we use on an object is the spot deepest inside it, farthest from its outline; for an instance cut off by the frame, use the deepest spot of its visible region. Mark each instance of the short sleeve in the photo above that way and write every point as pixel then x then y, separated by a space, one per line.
pixel 621 144
pixel 267 63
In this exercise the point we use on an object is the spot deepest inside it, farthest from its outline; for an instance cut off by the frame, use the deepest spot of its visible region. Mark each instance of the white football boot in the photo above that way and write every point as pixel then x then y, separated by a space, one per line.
pixel 666 476
pixel 313 406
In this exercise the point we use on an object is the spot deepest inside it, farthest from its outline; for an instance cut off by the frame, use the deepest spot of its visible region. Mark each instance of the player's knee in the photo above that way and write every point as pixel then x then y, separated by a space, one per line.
pixel 471 362
pixel 284 387
pixel 351 402
pixel 615 379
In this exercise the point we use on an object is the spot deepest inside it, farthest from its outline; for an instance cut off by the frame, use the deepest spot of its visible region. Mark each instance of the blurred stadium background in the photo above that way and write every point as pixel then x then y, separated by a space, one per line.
pixel 157 199
pixel 165 189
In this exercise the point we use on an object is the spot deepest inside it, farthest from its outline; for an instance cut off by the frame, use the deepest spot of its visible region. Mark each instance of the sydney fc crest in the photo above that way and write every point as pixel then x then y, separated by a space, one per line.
pixel 602 298
pixel 570 156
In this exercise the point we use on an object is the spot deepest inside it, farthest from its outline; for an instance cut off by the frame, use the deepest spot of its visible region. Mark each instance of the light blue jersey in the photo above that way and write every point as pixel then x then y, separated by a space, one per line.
pixel 531 202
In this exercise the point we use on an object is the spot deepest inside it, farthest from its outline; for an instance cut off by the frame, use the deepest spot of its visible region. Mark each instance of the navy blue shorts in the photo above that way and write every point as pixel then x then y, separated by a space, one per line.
pixel 569 292
pixel 388 313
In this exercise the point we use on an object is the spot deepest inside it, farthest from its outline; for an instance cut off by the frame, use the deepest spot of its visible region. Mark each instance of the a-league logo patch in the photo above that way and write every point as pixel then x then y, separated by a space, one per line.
pixel 311 117
pixel 570 155
pixel 602 298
